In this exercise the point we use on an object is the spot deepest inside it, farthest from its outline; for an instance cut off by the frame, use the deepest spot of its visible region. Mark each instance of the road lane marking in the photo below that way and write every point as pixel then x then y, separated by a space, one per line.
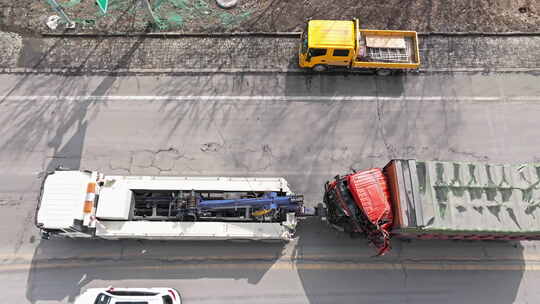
pixel 7 258
pixel 281 266
pixel 318 98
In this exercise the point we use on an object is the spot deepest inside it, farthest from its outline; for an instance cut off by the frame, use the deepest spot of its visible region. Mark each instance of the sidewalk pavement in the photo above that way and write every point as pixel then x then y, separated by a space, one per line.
pixel 128 16
pixel 10 49
pixel 243 54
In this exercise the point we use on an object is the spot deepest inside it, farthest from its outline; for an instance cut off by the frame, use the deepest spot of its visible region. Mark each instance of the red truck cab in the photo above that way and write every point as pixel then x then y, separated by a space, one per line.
pixel 360 203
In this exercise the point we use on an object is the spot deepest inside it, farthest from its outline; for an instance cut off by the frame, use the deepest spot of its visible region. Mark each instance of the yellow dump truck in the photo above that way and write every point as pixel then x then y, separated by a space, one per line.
pixel 341 43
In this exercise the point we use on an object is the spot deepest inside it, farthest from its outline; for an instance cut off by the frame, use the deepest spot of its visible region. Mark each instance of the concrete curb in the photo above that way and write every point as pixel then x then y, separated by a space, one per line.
pixel 143 71
pixel 175 35
pixel 265 34
pixel 481 70
pixel 76 71
pixel 479 34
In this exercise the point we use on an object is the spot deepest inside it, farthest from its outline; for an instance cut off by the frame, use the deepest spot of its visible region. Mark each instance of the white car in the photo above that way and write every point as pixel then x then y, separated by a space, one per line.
pixel 129 296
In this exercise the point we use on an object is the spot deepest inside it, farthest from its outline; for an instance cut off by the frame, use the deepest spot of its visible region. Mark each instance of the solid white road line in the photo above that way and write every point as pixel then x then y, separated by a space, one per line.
pixel 90 98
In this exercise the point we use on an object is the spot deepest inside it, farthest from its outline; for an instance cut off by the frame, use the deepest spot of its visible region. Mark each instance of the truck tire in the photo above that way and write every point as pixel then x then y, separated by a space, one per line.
pixel 45 235
pixel 383 72
pixel 320 68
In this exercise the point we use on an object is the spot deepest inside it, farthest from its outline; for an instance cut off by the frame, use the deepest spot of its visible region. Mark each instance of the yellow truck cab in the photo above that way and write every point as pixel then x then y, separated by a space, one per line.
pixel 341 43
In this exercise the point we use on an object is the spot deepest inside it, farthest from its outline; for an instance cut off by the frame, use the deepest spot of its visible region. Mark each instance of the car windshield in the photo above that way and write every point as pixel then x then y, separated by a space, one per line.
pixel 102 299
pixel 131 293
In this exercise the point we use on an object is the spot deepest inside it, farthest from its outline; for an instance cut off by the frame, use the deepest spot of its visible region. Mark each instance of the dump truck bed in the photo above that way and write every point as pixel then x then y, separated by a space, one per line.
pixel 387 49
pixel 464 198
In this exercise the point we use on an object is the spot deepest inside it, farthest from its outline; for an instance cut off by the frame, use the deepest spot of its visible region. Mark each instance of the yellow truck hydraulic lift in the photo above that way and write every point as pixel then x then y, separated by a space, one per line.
pixel 341 43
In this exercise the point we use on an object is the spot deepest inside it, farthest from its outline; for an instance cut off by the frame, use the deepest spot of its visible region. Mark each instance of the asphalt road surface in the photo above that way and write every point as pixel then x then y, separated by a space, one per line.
pixel 306 128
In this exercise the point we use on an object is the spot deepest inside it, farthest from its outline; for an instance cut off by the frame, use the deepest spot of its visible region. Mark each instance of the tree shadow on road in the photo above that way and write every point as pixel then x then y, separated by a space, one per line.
pixel 63 122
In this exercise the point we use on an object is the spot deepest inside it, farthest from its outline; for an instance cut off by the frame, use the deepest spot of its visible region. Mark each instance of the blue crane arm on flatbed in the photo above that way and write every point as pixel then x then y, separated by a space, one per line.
pixel 269 200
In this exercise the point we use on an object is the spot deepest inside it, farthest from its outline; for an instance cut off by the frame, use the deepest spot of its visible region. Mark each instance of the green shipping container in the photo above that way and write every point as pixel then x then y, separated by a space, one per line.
pixel 454 199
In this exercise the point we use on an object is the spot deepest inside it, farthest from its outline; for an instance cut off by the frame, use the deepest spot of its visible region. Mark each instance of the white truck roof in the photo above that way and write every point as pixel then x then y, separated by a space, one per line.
pixel 62 199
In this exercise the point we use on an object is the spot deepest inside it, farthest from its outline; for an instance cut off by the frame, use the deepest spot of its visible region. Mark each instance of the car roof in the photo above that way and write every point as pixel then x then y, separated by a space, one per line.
pixel 118 295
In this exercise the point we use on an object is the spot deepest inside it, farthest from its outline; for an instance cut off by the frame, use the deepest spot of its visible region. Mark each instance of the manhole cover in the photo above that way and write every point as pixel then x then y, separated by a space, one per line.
pixel 226 3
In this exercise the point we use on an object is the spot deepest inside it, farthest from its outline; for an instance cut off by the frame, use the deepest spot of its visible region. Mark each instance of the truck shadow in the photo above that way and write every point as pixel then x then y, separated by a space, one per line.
pixel 61 268
pixel 413 272
pixel 340 83
pixel 330 267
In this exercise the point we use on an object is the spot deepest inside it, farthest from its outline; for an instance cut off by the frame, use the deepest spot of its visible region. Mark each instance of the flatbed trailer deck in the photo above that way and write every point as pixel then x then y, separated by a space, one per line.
pixel 387 49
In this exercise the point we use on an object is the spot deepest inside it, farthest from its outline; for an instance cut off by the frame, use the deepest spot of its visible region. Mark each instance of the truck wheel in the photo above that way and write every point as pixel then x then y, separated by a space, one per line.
pixel 383 72
pixel 243 241
pixel 320 68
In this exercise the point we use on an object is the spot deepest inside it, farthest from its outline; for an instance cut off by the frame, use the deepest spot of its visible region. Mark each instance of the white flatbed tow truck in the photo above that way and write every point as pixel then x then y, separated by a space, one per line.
pixel 89 204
